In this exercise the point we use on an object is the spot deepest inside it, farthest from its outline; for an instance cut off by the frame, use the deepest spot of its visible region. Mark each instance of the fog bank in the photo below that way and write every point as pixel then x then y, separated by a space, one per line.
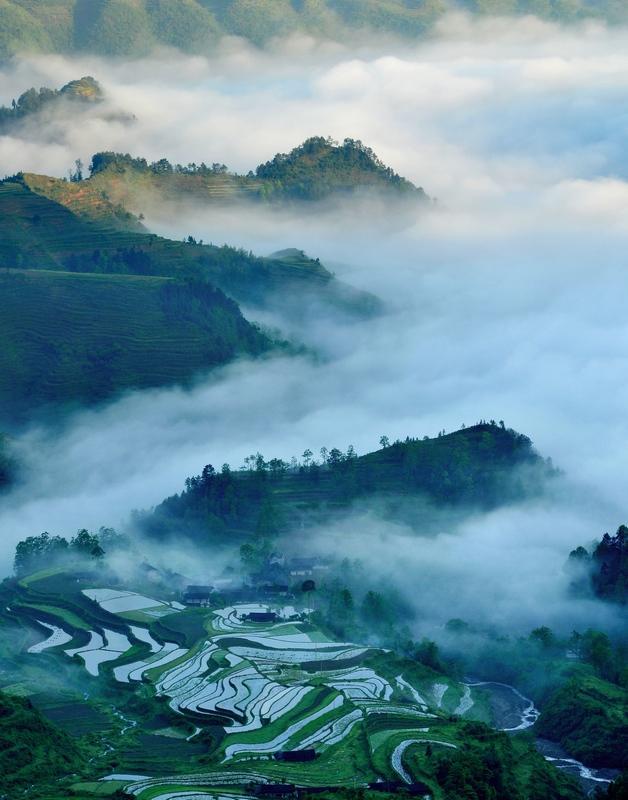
pixel 505 301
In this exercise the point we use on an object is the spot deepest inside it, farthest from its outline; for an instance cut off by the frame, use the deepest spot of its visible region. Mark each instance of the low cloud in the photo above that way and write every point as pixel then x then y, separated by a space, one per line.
pixel 506 300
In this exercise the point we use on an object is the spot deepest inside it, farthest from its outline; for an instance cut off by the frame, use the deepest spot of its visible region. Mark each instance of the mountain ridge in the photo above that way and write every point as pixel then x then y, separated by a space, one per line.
pixel 137 27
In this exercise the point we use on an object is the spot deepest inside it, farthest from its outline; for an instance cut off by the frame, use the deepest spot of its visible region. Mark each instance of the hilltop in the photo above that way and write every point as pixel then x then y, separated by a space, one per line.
pixel 82 92
pixel 99 335
pixel 483 466
pixel 135 27
pixel 319 169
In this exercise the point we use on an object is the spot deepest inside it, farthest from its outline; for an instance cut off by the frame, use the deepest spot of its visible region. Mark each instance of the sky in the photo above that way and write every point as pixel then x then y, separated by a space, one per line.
pixel 504 300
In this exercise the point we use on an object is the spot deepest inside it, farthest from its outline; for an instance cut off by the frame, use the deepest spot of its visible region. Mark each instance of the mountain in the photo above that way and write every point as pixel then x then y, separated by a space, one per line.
pixel 80 93
pixel 319 169
pixel 72 338
pixel 47 223
pixel 130 309
pixel 135 27
pixel 481 466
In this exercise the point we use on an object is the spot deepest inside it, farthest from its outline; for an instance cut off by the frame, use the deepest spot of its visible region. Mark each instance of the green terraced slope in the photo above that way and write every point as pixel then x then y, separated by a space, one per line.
pixel 70 338
pixel 207 713
pixel 49 224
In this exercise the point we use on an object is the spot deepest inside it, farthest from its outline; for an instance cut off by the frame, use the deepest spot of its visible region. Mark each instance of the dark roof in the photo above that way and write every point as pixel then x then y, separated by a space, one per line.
pixel 272 789
pixel 262 616
pixel 296 755
pixel 198 591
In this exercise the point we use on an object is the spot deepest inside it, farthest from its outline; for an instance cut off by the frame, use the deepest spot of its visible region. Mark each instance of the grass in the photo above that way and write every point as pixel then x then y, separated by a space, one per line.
pixel 78 719
pixel 62 614
pixel 29 580
pixel 97 788
pixel 160 755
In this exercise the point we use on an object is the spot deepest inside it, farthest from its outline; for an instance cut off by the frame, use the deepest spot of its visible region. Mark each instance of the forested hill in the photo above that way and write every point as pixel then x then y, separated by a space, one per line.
pixel 318 169
pixel 321 168
pixel 84 91
pixel 482 466
pixel 135 27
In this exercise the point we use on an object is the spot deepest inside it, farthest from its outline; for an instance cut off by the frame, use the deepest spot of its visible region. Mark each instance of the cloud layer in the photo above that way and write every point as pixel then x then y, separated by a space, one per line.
pixel 506 300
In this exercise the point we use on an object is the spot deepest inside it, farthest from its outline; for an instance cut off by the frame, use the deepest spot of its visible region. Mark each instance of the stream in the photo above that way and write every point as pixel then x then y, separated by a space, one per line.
pixel 512 711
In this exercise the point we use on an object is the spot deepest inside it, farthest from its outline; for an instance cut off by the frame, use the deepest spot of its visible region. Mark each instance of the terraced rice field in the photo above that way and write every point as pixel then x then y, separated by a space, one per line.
pixel 252 689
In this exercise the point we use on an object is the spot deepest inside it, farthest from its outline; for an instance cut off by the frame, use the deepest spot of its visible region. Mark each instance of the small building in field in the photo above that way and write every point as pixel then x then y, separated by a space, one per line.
pixel 261 616
pixel 197 595
pixel 272 789
pixel 274 590
pixel 392 787
pixel 296 755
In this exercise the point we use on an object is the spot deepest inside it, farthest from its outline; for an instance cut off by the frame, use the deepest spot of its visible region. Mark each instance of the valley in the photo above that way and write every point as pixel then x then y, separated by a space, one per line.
pixel 215 699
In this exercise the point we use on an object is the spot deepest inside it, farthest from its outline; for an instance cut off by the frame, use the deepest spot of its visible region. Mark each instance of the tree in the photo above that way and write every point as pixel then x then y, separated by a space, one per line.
pixel 384 442
pixel 334 457
pixel 544 637
pixel 307 457
pixel 86 544
pixel 596 649
pixel 427 653
pixel 35 552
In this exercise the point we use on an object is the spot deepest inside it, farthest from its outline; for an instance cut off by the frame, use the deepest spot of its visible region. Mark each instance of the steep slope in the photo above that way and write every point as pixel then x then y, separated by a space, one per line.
pixel 37 231
pixel 482 466
pixel 589 717
pixel 69 338
pixel 134 27
pixel 31 748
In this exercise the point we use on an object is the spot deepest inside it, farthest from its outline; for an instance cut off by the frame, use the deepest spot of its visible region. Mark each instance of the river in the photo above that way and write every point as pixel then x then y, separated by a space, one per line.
pixel 512 712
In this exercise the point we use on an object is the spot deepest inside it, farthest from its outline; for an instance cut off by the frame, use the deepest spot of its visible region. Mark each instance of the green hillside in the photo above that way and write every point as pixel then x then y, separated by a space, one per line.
pixel 50 224
pixel 482 466
pixel 321 168
pixel 204 702
pixel 70 338
pixel 589 717
pixel 31 748
pixel 135 27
